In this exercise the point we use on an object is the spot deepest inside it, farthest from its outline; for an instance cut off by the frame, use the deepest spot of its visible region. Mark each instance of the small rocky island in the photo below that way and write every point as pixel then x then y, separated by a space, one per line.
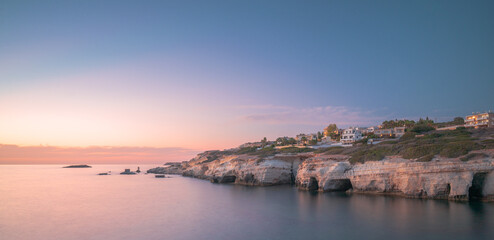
pixel 127 172
pixel 78 166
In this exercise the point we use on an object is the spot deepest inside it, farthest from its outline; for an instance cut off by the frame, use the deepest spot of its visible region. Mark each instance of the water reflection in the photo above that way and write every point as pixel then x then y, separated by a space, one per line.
pixel 47 202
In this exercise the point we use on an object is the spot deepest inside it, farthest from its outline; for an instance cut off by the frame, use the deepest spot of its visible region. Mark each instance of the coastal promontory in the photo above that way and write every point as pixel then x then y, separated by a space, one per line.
pixel 454 165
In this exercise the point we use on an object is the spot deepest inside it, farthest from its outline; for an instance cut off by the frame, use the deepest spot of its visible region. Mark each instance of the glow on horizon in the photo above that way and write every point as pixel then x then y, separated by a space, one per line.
pixel 201 76
pixel 111 107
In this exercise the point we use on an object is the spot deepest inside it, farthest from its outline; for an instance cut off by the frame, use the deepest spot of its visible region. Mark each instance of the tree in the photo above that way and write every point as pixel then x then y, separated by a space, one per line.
pixel 425 121
pixel 398 123
pixel 264 142
pixel 421 128
pixel 320 135
pixel 458 121
pixel 331 128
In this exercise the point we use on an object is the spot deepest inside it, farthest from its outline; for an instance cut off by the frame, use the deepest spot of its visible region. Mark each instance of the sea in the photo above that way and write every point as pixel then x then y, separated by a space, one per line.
pixel 51 202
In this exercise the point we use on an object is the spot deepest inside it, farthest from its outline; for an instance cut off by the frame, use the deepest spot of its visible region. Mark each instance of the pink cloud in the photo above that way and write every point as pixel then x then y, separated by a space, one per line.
pixel 316 116
pixel 14 154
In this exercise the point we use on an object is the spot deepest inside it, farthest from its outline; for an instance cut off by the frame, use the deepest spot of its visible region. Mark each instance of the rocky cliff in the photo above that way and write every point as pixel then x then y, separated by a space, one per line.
pixel 441 178
pixel 245 169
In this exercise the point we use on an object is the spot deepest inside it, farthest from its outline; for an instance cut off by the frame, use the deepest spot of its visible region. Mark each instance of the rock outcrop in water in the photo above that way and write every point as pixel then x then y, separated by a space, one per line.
pixel 168 169
pixel 78 166
pixel 442 178
pixel 245 169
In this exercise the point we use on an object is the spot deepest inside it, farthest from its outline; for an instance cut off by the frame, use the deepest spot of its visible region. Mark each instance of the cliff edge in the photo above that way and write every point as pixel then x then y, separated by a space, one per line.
pixel 453 166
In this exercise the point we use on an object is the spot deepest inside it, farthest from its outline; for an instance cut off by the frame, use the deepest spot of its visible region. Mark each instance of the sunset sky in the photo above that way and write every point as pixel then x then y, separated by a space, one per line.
pixel 157 81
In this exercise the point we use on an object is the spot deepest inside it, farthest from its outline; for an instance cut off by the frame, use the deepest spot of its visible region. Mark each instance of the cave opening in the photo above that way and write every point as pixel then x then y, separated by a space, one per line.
pixel 475 191
pixel 313 184
pixel 442 194
pixel 228 179
pixel 337 185
pixel 345 184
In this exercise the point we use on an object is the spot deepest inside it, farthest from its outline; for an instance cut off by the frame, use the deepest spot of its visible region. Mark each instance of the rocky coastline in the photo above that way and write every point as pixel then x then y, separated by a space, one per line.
pixel 441 178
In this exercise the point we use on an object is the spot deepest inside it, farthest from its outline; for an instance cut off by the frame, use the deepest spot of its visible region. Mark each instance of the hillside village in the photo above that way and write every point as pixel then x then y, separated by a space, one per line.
pixel 387 131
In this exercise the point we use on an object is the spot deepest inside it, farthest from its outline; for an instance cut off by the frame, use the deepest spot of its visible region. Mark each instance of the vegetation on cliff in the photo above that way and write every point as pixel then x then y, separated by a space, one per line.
pixel 450 144
pixel 423 148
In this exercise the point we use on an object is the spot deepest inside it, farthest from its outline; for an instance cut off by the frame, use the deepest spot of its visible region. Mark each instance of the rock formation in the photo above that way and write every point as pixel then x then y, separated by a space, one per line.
pixel 78 166
pixel 441 178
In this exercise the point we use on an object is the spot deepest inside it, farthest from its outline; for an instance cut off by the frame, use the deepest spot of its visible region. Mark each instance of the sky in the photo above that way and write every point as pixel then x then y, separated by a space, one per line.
pixel 174 78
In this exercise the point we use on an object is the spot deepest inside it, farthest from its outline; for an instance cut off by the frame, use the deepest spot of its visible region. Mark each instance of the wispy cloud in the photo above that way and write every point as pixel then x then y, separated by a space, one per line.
pixel 341 115
pixel 10 154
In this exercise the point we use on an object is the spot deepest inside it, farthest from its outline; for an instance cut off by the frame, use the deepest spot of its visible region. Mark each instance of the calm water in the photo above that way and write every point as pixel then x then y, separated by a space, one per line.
pixel 49 202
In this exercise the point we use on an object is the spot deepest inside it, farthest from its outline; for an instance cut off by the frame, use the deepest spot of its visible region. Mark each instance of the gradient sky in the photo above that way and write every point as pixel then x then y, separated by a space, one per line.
pixel 196 75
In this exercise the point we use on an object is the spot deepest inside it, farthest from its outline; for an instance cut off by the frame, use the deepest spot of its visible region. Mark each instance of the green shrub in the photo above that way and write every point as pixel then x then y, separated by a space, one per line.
pixel 422 128
pixel 473 156
pixel 408 136
pixel 488 143
pixel 246 150
pixel 433 136
pixel 372 135
pixel 267 151
pixel 362 141
pixel 421 150
pixel 457 132
pixel 456 149
pixel 321 150
pixel 295 150
pixel 335 150
pixel 388 142
pixel 369 154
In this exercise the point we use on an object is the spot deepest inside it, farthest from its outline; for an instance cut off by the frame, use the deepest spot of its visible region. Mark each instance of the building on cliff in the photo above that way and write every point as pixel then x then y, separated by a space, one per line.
pixel 480 120
pixel 396 132
pixel 368 130
pixel 305 138
pixel 350 135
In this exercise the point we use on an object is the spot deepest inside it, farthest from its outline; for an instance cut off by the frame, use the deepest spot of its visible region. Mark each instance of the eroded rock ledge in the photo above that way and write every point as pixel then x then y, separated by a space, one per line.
pixel 441 178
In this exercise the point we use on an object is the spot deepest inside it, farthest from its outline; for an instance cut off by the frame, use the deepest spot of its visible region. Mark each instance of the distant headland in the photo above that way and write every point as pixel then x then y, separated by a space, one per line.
pixel 78 166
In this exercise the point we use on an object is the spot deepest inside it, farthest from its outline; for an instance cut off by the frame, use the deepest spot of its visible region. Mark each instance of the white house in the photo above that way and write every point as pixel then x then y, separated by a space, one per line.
pixel 350 135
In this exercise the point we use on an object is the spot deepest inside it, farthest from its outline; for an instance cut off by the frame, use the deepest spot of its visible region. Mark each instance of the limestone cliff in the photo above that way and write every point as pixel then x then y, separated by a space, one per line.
pixel 245 169
pixel 441 178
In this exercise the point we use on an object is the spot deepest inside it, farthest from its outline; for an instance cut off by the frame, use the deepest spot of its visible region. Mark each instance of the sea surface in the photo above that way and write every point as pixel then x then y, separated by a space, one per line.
pixel 51 202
